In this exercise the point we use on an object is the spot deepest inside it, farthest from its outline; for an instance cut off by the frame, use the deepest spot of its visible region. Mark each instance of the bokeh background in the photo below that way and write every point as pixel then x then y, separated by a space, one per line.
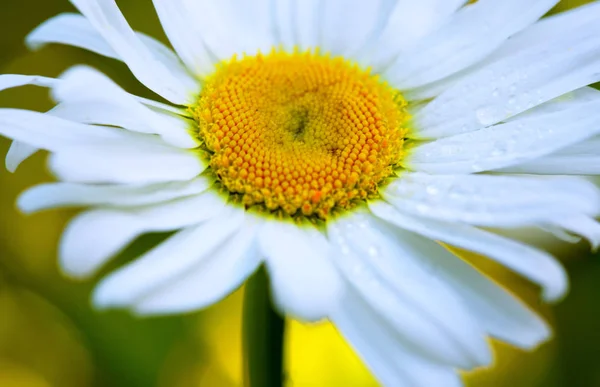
pixel 51 336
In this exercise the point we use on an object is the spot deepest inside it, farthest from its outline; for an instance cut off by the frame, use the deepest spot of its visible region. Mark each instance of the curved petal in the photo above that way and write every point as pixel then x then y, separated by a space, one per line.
pixel 90 240
pixel 8 81
pixel 392 363
pixel 536 265
pixel 586 226
pixel 212 279
pixel 170 82
pixel 71 29
pixel 498 312
pixel 303 280
pixel 17 153
pixel 88 96
pixel 408 297
pixel 94 236
pixel 169 260
pixel 20 151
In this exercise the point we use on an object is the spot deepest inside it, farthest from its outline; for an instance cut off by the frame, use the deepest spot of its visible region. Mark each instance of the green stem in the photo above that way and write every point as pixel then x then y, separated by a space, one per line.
pixel 263 335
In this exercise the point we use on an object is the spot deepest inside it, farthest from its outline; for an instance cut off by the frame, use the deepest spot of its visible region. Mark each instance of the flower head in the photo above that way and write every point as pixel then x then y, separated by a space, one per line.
pixel 335 142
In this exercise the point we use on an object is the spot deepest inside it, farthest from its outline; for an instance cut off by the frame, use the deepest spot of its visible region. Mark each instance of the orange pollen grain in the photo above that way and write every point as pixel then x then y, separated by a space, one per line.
pixel 303 133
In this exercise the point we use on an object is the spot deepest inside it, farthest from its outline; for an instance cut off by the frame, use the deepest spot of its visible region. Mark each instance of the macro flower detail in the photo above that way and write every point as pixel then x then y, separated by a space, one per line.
pixel 338 143
pixel 300 133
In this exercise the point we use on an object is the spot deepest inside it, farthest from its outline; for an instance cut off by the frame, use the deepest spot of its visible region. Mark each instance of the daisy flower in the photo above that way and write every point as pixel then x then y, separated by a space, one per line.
pixel 337 143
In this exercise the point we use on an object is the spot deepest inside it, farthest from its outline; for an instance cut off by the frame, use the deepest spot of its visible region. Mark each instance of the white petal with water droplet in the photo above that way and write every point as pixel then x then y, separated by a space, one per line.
pixel 405 295
pixel 472 34
pixel 536 134
pixel 536 265
pixel 489 200
pixel 376 343
pixel 514 84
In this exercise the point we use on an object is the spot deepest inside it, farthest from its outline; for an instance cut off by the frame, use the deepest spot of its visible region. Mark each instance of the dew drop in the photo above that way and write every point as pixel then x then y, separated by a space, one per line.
pixel 432 190
pixel 485 116
pixel 500 148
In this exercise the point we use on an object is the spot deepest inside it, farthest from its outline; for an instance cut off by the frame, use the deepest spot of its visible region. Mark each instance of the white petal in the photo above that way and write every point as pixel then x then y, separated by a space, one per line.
pixel 580 159
pixel 8 81
pixel 183 33
pixel 167 81
pixel 284 21
pixel 248 21
pixel 57 195
pixel 52 133
pixel 498 312
pixel 525 138
pixel 391 362
pixel 472 34
pixel 163 107
pixel 93 237
pixel 533 264
pixel 204 32
pixel 90 239
pixel 556 164
pixel 564 103
pixel 100 112
pixel 515 83
pixel 71 29
pixel 553 27
pixel 166 262
pixel 212 279
pixel 424 311
pixel 492 200
pixel 17 153
pixel 126 164
pixel 581 225
pixel 547 31
pixel 303 280
pixel 20 151
pixel 307 17
pixel 347 26
pixel 408 22
pixel 88 96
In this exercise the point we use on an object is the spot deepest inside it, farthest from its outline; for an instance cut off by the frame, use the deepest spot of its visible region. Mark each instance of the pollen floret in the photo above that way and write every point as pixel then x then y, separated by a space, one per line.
pixel 302 133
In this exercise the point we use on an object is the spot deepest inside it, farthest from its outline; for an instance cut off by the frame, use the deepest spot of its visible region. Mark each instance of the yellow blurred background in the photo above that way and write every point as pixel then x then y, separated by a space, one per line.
pixel 50 335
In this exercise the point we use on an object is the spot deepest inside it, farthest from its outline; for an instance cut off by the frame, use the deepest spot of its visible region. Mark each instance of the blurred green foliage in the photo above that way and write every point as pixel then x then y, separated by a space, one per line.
pixel 50 335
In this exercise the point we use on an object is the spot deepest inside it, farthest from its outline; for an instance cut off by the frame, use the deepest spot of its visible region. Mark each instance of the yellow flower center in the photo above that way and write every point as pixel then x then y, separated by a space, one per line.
pixel 300 134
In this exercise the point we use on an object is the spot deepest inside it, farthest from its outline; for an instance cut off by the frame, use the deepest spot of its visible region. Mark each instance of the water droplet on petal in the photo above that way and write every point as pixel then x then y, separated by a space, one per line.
pixel 485 116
